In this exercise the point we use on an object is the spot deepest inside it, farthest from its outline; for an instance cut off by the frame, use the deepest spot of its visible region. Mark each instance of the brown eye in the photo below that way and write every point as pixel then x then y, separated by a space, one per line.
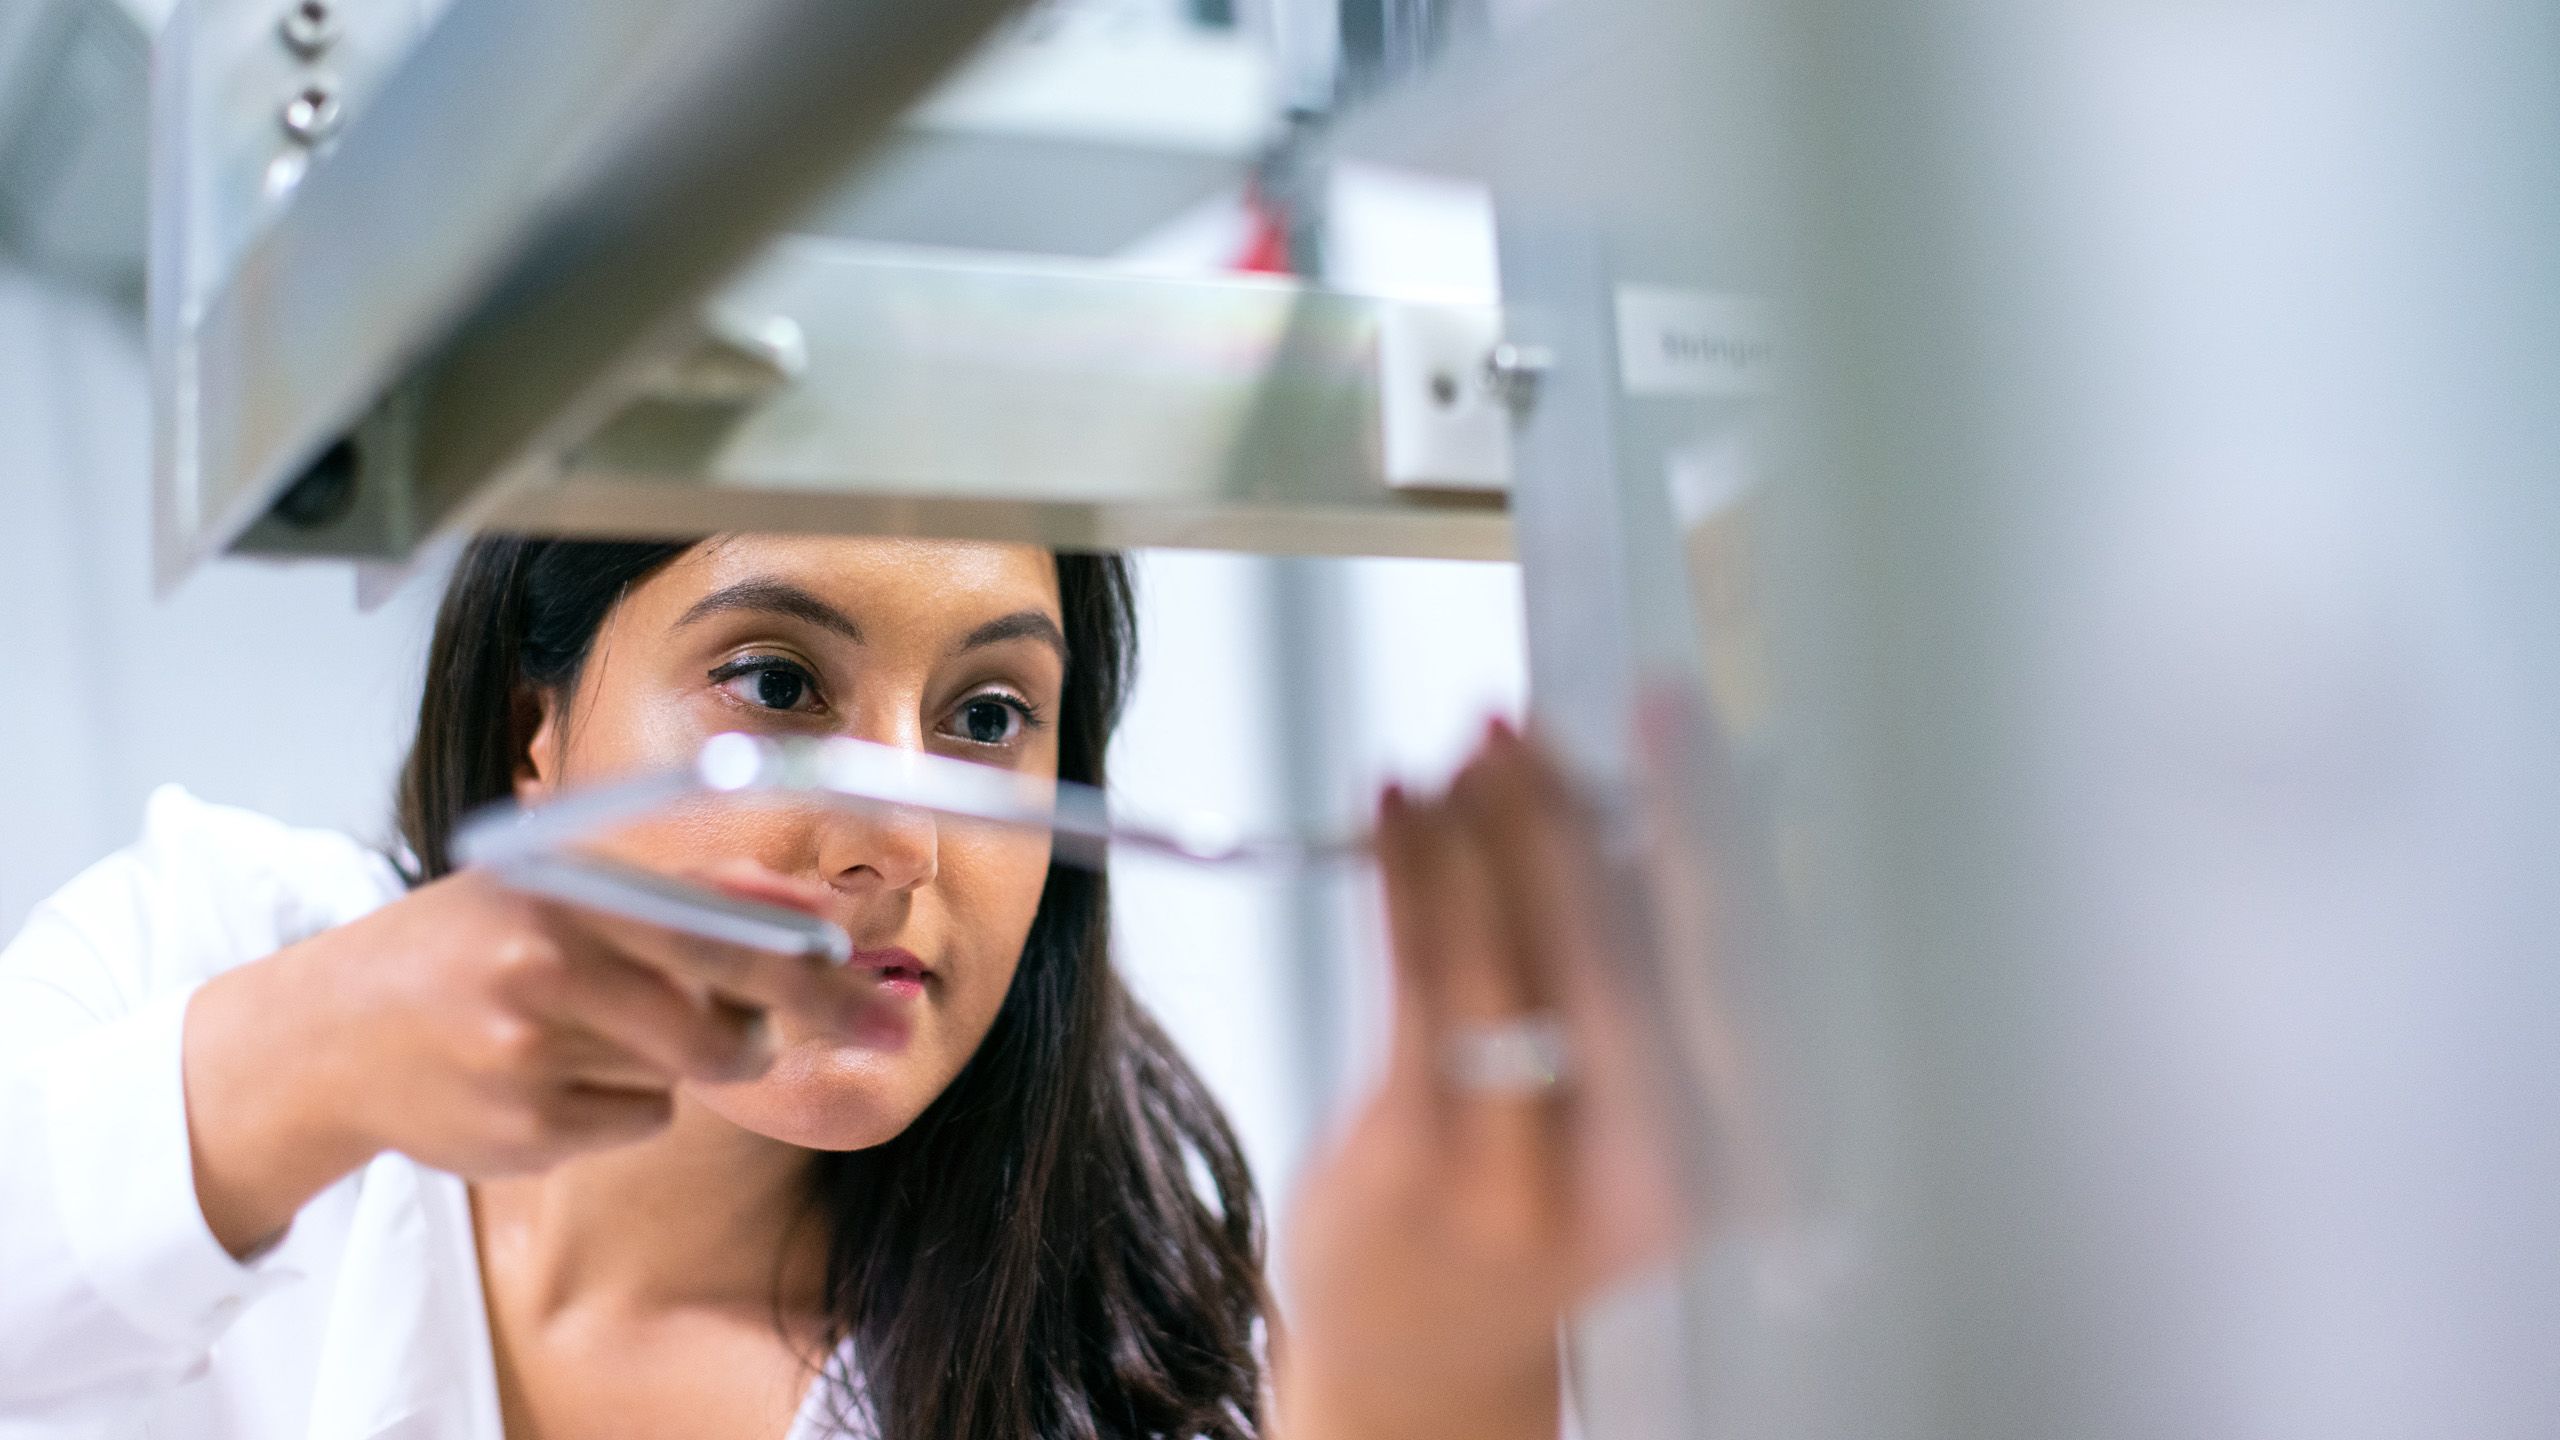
pixel 769 683
pixel 779 689
pixel 989 720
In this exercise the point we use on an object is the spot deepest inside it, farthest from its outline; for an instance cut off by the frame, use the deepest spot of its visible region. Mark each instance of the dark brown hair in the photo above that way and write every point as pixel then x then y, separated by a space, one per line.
pixel 1066 1243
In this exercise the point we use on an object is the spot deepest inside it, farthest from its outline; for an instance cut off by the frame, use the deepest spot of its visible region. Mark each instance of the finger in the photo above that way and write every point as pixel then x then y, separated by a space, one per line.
pixel 594 1116
pixel 1413 878
pixel 753 880
pixel 578 1056
pixel 743 975
pixel 1551 877
pixel 1489 805
pixel 638 1012
pixel 1509 1139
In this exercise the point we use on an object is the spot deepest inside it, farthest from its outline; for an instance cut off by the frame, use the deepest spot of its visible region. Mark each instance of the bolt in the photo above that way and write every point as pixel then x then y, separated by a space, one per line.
pixel 1514 372
pixel 309 28
pixel 314 112
pixel 1444 389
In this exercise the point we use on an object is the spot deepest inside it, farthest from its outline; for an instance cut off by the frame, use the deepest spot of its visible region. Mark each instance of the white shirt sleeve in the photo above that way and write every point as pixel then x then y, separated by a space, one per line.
pixel 112 1288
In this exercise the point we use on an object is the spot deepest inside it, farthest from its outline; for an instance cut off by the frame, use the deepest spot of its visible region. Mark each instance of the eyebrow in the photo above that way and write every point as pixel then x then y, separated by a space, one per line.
pixel 773 597
pixel 1020 625
pixel 781 597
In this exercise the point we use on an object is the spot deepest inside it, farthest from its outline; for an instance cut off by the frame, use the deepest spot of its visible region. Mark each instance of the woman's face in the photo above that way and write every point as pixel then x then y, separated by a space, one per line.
pixel 955 649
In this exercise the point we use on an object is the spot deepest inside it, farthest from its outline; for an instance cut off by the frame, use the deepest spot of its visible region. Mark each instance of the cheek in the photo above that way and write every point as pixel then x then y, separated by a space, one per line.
pixel 695 836
pixel 988 892
pixel 825 1094
pixel 991 880
pixel 626 721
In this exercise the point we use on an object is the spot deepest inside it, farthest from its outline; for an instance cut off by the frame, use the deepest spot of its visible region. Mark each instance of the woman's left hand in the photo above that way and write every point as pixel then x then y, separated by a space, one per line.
pixel 1464 1215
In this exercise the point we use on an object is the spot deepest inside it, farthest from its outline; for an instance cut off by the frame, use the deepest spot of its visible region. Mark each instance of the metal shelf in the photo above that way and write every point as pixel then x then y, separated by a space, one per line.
pixel 521 219
pixel 842 387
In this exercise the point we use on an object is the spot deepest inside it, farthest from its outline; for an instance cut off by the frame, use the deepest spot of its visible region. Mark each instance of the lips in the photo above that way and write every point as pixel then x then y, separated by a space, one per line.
pixel 897 971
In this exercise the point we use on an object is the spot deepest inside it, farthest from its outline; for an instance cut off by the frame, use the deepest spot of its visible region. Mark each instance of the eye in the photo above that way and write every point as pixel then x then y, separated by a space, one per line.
pixel 992 719
pixel 769 682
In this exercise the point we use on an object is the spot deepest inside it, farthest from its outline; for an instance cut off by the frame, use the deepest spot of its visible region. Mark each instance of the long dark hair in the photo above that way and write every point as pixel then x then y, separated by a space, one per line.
pixel 1066 1243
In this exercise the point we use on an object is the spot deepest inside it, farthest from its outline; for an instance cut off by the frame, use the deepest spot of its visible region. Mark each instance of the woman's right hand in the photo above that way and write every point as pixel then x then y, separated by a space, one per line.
pixel 472 1028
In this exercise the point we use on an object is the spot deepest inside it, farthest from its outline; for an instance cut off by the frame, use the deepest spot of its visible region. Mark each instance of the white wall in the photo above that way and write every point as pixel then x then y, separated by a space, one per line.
pixel 1423 652
pixel 254 685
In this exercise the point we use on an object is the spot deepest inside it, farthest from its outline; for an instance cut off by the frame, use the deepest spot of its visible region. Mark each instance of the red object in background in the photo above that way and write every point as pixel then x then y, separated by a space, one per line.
pixel 1266 249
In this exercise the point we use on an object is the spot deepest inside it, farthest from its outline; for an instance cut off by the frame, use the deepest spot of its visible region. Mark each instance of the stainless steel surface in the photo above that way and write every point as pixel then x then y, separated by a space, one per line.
pixel 537 408
pixel 1073 134
pixel 222 167
pixel 739 359
pixel 1233 414
pixel 1008 192
pixel 1055 403
pixel 73 77
pixel 517 224
pixel 309 27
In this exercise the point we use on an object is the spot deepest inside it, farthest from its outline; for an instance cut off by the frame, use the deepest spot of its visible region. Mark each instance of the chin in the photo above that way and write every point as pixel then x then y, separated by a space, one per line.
pixel 826 1100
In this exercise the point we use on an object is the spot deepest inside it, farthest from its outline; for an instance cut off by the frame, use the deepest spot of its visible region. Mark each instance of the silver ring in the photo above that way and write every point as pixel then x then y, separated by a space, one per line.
pixel 1523 1056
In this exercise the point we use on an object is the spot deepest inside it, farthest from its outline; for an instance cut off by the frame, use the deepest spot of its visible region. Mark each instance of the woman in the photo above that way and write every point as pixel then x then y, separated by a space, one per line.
pixel 293 1140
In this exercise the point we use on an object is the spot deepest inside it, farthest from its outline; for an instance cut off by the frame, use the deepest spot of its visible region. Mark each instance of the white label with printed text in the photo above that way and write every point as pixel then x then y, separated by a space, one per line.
pixel 1695 342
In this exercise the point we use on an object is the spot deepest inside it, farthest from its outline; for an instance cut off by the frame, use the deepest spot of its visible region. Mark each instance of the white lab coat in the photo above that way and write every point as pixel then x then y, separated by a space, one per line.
pixel 120 1315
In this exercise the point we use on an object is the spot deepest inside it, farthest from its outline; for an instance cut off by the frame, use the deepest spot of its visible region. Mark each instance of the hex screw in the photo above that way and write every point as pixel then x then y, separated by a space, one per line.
pixel 1514 373
pixel 309 28
pixel 314 112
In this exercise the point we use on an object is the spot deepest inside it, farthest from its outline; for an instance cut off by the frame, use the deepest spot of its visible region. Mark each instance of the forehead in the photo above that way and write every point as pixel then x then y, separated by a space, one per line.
pixel 893 582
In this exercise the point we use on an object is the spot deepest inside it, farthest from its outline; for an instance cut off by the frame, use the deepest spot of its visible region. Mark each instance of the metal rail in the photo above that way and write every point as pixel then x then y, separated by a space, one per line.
pixel 1056 404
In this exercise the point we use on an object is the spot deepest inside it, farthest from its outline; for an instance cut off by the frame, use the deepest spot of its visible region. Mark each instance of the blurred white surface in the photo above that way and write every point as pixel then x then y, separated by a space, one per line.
pixel 254 685
pixel 2186 569
pixel 1429 650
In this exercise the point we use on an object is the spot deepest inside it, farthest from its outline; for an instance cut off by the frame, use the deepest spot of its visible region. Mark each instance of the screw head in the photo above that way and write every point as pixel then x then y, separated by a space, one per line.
pixel 309 27
pixel 1513 372
pixel 314 113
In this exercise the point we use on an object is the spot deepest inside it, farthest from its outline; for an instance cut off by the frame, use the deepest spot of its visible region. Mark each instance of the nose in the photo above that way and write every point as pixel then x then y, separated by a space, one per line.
pixel 868 849
pixel 864 849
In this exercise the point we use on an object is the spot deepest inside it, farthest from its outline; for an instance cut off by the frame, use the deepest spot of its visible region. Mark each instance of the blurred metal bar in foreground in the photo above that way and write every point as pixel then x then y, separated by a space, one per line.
pixel 2178 579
